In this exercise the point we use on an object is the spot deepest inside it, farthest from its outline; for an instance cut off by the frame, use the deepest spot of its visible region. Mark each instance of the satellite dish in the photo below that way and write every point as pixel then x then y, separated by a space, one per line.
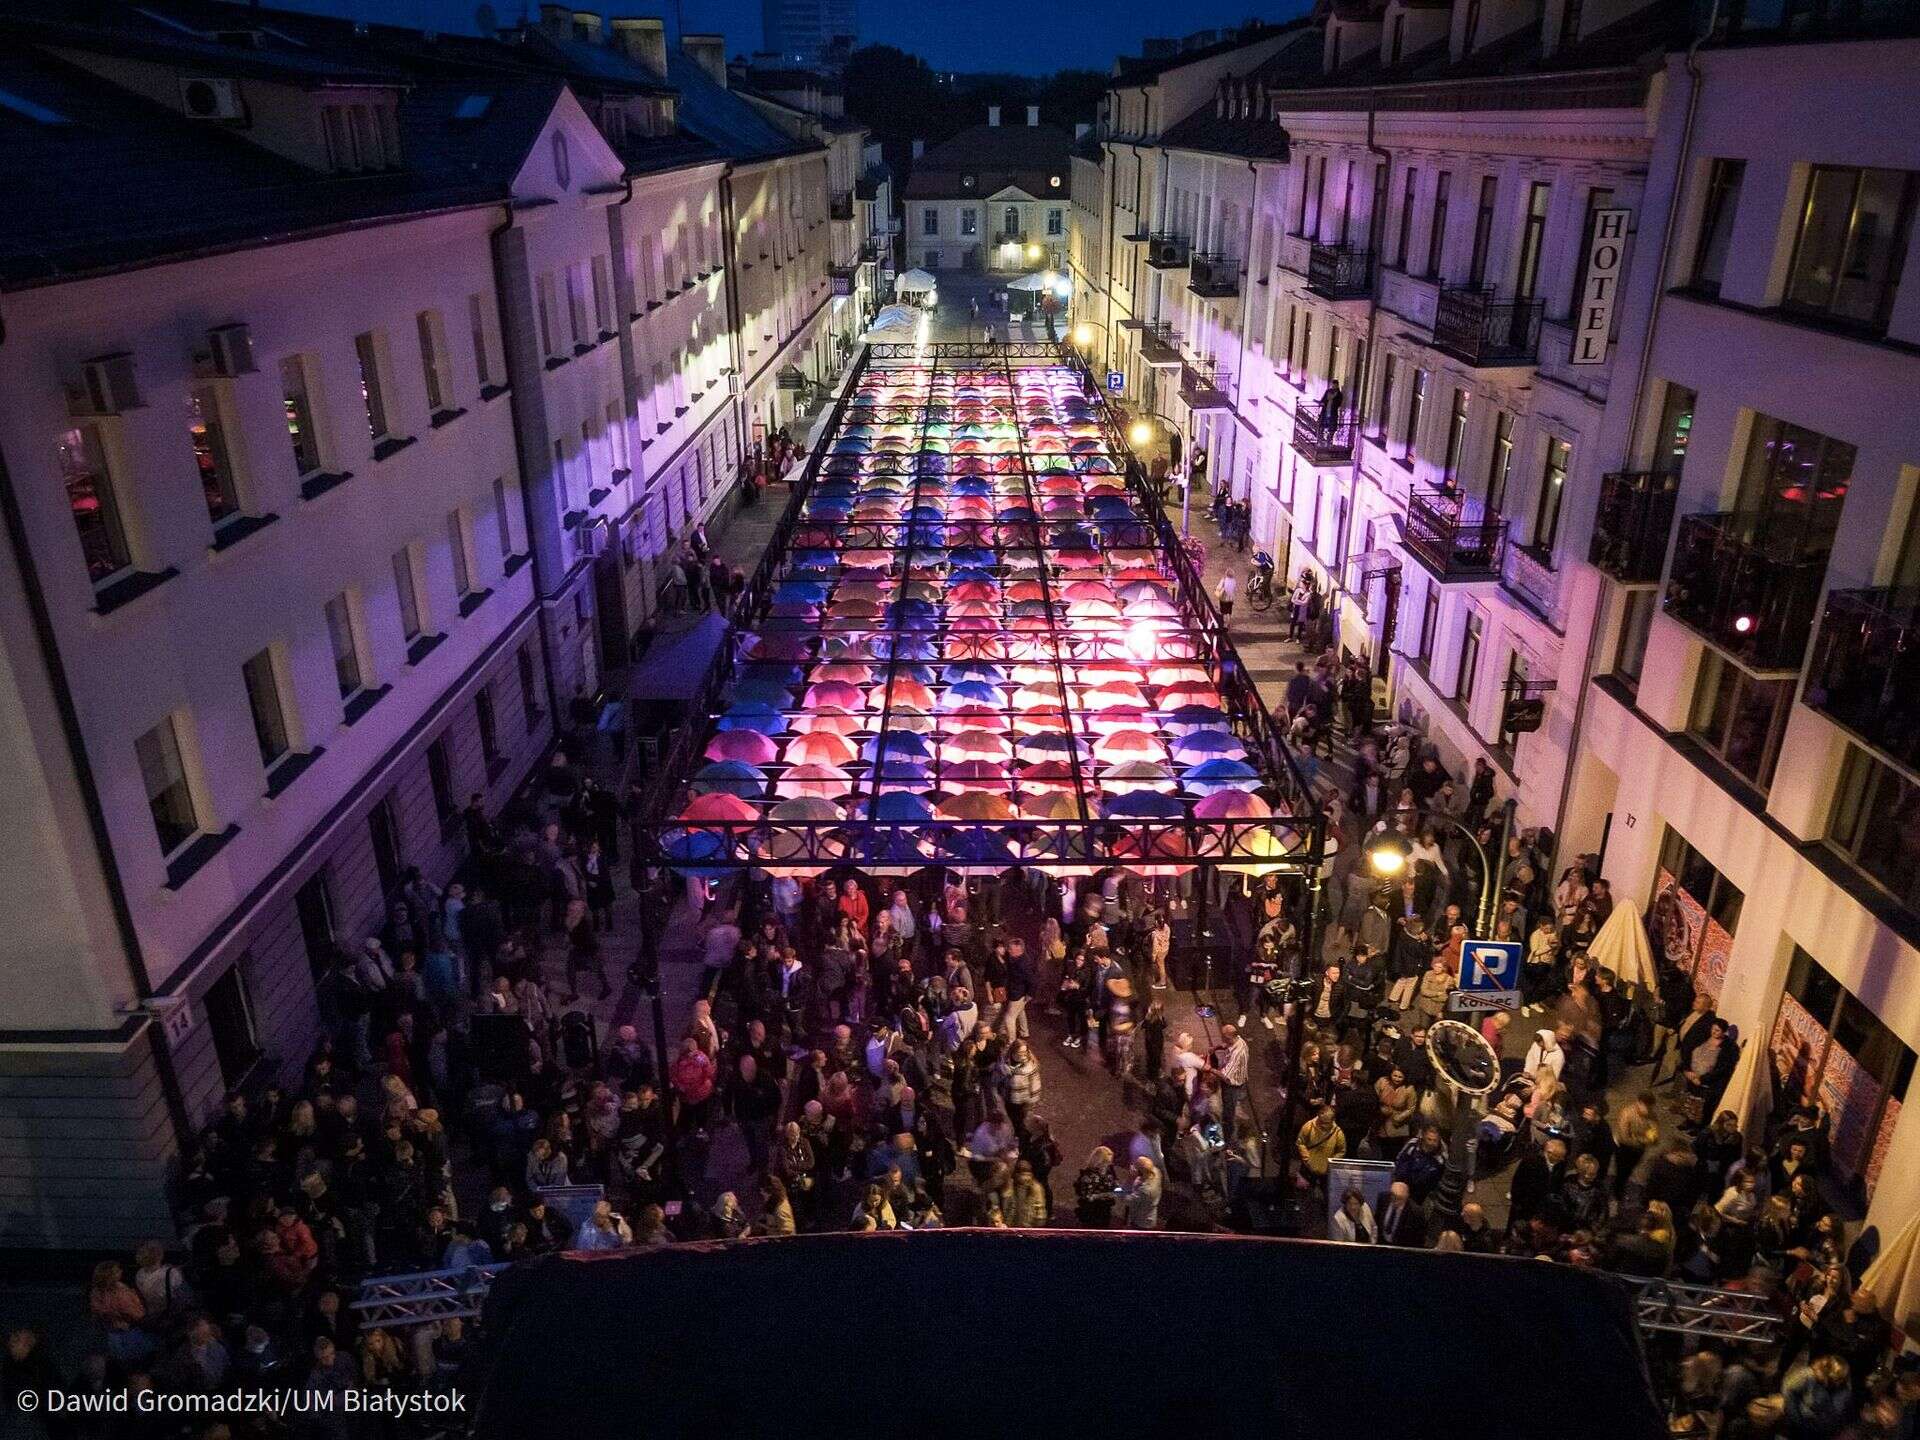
pixel 1462 1057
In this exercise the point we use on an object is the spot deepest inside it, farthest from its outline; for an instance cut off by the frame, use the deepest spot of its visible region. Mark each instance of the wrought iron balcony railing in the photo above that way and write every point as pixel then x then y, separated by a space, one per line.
pixel 1323 444
pixel 1752 594
pixel 1529 574
pixel 1204 385
pixel 1214 275
pixel 840 206
pixel 1338 272
pixel 1866 669
pixel 1160 344
pixel 1469 323
pixel 1451 538
pixel 1168 252
pixel 1633 524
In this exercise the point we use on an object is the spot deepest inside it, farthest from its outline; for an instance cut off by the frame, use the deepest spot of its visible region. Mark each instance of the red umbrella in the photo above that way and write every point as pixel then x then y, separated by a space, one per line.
pixel 822 747
pixel 718 805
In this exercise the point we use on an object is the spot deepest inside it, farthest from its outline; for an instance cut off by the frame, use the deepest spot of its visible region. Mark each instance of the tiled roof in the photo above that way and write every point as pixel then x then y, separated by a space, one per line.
pixel 1256 135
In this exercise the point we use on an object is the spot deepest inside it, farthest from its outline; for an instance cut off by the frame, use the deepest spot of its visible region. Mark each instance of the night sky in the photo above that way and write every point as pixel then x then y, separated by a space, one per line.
pixel 970 35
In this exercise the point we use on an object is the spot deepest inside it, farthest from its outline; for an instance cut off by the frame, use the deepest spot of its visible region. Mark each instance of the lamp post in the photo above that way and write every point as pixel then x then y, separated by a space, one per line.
pixel 1140 435
pixel 1387 857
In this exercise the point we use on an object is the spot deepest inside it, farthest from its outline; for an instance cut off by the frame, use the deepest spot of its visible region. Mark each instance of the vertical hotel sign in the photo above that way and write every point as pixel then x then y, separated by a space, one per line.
pixel 1606 250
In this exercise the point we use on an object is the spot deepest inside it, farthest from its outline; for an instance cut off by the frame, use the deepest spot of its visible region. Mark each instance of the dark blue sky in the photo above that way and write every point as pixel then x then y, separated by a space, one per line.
pixel 1001 35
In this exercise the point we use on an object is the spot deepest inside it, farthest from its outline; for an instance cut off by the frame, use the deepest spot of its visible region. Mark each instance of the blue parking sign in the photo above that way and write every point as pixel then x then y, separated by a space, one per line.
pixel 1490 965
pixel 1116 381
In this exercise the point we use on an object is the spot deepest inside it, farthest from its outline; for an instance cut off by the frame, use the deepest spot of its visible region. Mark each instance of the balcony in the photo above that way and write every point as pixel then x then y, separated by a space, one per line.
pixel 1752 595
pixel 1295 253
pixel 1449 535
pixel 840 205
pixel 1204 386
pixel 1216 276
pixel 1338 272
pixel 1529 576
pixel 1011 237
pixel 1472 326
pixel 1332 445
pixel 1160 346
pixel 1633 524
pixel 1866 669
pixel 1168 252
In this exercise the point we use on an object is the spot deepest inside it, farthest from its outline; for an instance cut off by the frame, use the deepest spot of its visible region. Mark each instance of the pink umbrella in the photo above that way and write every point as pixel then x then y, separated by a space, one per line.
pixel 978 745
pixel 830 720
pixel 1047 775
pixel 1114 694
pixel 823 747
pixel 835 693
pixel 846 672
pixel 746 745
pixel 976 718
pixel 975 775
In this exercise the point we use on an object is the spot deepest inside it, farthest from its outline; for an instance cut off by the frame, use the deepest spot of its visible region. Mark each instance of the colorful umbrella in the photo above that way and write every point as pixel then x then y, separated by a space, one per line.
pixel 821 747
pixel 822 781
pixel 729 777
pixel 747 746
pixel 976 805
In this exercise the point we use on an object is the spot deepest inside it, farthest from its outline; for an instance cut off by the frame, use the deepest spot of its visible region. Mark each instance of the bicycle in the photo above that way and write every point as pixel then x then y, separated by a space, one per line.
pixel 1260 594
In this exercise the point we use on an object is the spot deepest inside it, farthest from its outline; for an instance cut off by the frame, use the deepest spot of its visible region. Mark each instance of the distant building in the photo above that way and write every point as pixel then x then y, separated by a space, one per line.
pixel 994 197
pixel 809 32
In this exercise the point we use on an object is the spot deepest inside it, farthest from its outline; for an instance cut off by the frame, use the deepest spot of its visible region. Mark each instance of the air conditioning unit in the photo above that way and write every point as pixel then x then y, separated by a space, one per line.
pixel 211 99
pixel 107 385
pixel 230 349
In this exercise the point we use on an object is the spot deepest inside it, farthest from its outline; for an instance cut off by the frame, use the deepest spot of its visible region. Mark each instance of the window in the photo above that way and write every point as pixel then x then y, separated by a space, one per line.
pixel 1636 622
pixel 1317 194
pixel 1875 824
pixel 1429 624
pixel 1851 246
pixel 211 455
pixel 1482 231
pixel 1830 1050
pixel 489 728
pixel 969 221
pixel 1306 345
pixel 502 517
pixel 1500 466
pixel 1416 403
pixel 617 438
pixel 347 670
pixel 1695 912
pixel 1399 37
pixel 383 832
pixel 407 592
pixel 1570 21
pixel 1404 238
pixel 169 796
pixel 549 319
pixel 297 395
pixel 1470 32
pixel 263 703
pixel 1716 224
pixel 1794 484
pixel 1676 428
pixel 1532 238
pixel 1437 230
pixel 236 1044
pixel 373 387
pixel 1740 719
pixel 603 295
pixel 440 777
pixel 1012 225
pixel 433 361
pixel 929 221
pixel 933 263
pixel 457 542
pixel 576 308
pixel 1553 495
pixel 482 355
pixel 313 903
pixel 1456 437
pixel 1056 223
pixel 529 701
pixel 1599 198
pixel 92 502
pixel 1383 397
pixel 1463 678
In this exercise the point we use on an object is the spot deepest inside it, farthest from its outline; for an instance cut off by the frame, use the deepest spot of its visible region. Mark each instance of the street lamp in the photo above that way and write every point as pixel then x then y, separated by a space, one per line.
pixel 1388 852
pixel 1033 252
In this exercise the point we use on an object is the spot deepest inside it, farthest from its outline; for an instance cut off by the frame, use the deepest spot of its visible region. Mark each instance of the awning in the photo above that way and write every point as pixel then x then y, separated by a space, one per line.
pixel 676 663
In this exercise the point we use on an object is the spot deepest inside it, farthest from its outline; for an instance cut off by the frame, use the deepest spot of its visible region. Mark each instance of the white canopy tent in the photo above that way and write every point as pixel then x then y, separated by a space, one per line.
pixel 895 322
pixel 1035 281
pixel 915 282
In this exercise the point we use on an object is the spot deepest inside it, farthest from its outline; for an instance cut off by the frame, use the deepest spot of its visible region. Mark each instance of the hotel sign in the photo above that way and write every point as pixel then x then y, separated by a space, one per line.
pixel 1606 252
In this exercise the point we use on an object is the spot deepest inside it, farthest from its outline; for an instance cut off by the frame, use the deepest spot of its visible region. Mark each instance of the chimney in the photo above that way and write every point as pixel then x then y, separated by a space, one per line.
pixel 1033 114
pixel 709 52
pixel 643 40
pixel 993 114
pixel 919 148
pixel 556 21
pixel 587 26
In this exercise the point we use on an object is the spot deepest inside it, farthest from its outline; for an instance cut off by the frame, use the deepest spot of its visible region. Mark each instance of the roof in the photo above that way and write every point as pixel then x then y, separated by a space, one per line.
pixel 105 189
pixel 1027 156
pixel 1609 67
pixel 727 121
pixel 1254 135
pixel 1372 1340
pixel 1140 69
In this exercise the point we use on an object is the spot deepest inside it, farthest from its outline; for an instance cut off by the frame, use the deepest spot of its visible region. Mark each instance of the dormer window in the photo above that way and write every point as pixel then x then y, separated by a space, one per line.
pixel 1570 22
pixel 1471 30
pixel 361 137
pixel 1399 35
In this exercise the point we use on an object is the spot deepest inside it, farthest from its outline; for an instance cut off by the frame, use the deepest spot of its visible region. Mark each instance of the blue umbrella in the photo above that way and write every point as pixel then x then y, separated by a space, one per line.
pixel 971 573
pixel 903 647
pixel 733 777
pixel 684 845
pixel 974 692
pixel 811 591
pixel 897 770
pixel 1146 805
pixel 1015 514
pixel 976 847
pixel 976 670
pixel 968 558
pixel 762 692
pixel 902 806
pixel 1198 717
pixel 752 717
pixel 1212 775
pixel 901 743
pixel 771 672
pixel 1202 743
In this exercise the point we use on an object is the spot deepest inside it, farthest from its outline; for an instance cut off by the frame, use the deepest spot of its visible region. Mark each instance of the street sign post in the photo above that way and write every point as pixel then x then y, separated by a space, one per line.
pixel 1490 965
pixel 1116 381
